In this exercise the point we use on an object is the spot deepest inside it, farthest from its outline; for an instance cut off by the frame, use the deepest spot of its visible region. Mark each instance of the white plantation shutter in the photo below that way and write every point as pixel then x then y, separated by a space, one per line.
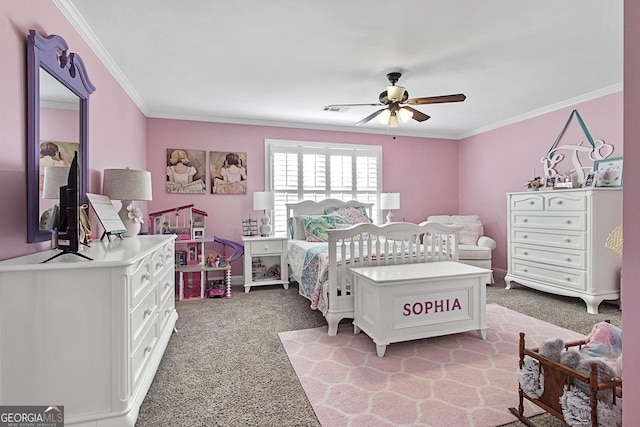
pixel 298 171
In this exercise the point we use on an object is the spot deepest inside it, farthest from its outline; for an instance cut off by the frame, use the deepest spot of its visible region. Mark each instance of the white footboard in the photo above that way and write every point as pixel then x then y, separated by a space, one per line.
pixel 369 245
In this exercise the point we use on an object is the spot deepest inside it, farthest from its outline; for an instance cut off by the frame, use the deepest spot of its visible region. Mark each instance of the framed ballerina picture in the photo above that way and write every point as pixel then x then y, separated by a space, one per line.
pixel 228 172
pixel 186 171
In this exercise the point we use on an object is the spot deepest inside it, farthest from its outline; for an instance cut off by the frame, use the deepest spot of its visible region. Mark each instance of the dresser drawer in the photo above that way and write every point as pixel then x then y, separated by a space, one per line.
pixel 142 316
pixel 527 202
pixel 550 255
pixel 565 201
pixel 166 286
pixel 563 277
pixel 142 354
pixel 163 260
pixel 552 220
pixel 141 274
pixel 561 238
pixel 266 247
pixel 167 306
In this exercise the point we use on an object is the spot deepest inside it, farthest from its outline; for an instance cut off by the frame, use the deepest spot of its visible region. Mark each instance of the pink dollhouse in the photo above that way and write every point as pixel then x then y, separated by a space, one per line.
pixel 185 221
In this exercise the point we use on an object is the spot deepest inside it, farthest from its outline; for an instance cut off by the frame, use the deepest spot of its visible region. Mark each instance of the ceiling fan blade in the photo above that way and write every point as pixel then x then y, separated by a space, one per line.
pixel 370 116
pixel 417 115
pixel 437 99
pixel 352 105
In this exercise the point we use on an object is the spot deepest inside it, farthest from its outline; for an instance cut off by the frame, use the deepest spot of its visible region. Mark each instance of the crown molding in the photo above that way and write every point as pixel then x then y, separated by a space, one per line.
pixel 72 14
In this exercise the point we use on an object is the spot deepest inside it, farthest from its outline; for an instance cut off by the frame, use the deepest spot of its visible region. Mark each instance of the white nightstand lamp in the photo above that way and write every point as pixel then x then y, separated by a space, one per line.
pixel 390 201
pixel 127 185
pixel 264 201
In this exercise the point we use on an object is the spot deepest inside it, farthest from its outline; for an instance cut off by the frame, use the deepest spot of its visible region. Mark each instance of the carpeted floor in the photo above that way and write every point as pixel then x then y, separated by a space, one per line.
pixel 226 365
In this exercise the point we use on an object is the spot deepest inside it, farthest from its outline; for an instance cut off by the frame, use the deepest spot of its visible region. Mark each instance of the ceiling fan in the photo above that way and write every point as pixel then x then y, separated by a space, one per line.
pixel 397 101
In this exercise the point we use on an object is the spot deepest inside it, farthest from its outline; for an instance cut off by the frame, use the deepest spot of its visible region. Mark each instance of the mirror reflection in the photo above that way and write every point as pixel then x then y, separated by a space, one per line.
pixel 59 140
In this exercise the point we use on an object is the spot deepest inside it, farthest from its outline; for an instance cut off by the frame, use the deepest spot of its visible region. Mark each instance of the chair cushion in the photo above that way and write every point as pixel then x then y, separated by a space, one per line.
pixel 473 252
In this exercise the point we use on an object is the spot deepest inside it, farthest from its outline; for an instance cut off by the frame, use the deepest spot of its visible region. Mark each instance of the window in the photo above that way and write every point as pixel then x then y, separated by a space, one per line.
pixel 297 171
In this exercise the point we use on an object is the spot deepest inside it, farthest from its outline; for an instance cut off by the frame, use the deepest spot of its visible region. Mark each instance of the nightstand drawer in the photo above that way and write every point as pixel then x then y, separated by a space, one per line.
pixel 266 247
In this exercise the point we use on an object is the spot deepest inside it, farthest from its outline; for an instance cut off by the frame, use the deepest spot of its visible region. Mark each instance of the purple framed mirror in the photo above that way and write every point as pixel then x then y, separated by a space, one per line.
pixel 58 90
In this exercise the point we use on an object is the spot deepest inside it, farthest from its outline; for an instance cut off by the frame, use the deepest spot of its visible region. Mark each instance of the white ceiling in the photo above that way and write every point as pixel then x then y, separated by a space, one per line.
pixel 280 62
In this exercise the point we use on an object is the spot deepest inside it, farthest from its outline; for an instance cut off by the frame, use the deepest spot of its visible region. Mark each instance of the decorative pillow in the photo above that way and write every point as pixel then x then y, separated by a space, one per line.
pixel 290 227
pixel 316 226
pixel 470 233
pixel 298 227
pixel 352 215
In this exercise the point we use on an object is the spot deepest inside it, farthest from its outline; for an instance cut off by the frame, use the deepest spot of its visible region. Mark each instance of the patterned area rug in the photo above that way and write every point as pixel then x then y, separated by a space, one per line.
pixel 455 380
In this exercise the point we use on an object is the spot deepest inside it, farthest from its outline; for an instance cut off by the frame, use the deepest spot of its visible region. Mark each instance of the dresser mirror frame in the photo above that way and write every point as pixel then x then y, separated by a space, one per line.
pixel 50 54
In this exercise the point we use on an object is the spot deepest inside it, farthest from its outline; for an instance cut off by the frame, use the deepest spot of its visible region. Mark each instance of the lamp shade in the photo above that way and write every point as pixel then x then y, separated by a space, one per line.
pixel 127 184
pixel 263 201
pixel 54 178
pixel 395 93
pixel 390 200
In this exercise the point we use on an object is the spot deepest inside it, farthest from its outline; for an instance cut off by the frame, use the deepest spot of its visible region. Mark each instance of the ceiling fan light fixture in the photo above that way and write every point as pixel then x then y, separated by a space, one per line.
pixel 383 117
pixel 395 93
pixel 393 120
pixel 405 115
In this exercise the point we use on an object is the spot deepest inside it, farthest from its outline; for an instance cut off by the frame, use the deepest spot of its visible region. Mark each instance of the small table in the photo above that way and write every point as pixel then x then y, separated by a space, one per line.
pixel 405 302
pixel 260 253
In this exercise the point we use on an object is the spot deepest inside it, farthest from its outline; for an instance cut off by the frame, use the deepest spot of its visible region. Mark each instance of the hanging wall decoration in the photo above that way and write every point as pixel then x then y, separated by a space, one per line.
pixel 186 171
pixel 228 172
pixel 596 150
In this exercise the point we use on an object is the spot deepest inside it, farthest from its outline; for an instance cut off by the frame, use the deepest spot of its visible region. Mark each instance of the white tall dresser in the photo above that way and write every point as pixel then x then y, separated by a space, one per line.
pixel 557 241
pixel 88 335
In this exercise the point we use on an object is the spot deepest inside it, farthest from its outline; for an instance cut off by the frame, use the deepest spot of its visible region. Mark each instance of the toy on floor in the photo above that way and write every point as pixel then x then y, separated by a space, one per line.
pixel 216 291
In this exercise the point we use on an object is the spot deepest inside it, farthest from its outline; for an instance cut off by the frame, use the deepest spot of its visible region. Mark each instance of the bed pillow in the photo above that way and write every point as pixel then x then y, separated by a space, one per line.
pixel 290 227
pixel 352 215
pixel 470 233
pixel 316 226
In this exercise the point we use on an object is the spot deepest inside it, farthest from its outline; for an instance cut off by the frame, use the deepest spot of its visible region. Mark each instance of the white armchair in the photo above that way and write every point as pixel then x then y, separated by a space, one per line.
pixel 474 248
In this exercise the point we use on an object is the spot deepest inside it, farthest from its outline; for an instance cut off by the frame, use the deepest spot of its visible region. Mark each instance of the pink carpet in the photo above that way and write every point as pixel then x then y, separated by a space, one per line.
pixel 455 380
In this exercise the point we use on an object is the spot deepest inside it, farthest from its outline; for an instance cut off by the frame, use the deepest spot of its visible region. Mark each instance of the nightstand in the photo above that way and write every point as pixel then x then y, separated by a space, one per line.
pixel 265 262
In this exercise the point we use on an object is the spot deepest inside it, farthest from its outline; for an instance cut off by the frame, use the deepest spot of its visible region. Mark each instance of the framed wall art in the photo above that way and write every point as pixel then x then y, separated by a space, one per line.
pixel 186 171
pixel 228 172
pixel 608 172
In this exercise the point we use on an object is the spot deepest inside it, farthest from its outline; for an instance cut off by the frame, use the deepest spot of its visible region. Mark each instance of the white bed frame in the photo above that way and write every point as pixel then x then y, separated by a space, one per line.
pixel 402 240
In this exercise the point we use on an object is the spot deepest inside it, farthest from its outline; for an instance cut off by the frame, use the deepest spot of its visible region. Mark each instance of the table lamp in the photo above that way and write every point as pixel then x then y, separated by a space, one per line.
pixel 127 185
pixel 390 201
pixel 264 201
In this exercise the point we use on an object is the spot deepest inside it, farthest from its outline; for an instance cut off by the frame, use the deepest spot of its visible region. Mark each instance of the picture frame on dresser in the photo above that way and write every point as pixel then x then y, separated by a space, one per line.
pixel 609 172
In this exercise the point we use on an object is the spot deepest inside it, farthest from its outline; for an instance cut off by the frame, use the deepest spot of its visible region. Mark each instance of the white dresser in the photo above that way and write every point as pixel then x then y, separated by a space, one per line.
pixel 88 335
pixel 557 242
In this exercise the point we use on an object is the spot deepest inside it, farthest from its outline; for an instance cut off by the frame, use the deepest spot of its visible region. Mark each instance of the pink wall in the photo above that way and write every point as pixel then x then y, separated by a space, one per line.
pixel 423 170
pixel 117 131
pixel 502 160
pixel 630 288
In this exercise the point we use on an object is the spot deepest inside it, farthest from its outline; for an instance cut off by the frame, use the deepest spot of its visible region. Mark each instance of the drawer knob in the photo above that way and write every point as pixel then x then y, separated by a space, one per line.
pixel 525 220
pixel 158 265
pixel 559 202
pixel 167 311
pixel 148 349
pixel 166 285
pixel 525 253
pixel 146 276
pixel 146 313
pixel 567 259
pixel 567 240
pixel 568 221
pixel 567 278
pixel 524 236
pixel 531 202
pixel 525 270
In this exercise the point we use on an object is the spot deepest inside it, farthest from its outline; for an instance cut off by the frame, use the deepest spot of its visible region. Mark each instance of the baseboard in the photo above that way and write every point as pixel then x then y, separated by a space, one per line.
pixel 499 273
